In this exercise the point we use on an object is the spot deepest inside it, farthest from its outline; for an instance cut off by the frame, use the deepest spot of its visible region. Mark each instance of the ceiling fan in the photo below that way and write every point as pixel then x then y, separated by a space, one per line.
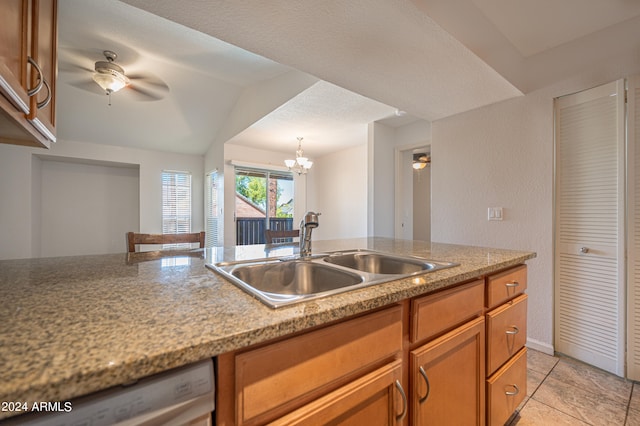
pixel 111 78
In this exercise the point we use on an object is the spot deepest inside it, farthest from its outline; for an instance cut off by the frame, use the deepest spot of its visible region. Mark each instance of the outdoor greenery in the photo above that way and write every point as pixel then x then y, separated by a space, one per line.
pixel 254 188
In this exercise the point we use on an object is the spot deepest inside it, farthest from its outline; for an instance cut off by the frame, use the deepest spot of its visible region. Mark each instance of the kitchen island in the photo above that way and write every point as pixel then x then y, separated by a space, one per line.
pixel 76 325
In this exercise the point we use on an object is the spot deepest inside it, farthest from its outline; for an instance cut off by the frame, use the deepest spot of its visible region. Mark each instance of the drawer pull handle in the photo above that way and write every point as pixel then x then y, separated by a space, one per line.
pixel 515 330
pixel 426 381
pixel 405 403
pixel 514 392
pixel 513 284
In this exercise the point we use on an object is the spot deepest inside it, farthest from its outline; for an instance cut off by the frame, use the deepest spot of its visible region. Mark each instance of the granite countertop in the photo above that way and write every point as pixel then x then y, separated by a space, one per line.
pixel 75 325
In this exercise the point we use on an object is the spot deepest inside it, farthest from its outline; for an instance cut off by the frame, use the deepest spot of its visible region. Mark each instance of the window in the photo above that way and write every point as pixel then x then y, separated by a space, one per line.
pixel 176 204
pixel 212 212
pixel 264 200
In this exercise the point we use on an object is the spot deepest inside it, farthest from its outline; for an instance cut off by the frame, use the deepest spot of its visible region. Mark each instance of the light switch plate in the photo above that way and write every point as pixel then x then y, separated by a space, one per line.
pixel 494 213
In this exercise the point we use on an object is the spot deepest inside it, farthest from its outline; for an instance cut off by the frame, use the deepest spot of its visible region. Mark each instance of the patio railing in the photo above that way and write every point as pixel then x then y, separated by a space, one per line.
pixel 250 230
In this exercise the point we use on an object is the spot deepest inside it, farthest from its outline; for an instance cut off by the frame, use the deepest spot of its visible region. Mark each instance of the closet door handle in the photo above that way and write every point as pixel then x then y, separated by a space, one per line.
pixel 426 381
pixel 405 403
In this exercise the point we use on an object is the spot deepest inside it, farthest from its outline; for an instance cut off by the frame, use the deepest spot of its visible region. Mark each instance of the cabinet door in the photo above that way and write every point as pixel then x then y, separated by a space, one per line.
pixel 44 52
pixel 448 377
pixel 375 399
pixel 14 30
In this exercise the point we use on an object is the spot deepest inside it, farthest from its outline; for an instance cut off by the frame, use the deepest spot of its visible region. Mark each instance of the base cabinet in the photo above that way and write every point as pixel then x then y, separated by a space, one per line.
pixel 452 357
pixel 506 389
pixel 375 399
pixel 448 376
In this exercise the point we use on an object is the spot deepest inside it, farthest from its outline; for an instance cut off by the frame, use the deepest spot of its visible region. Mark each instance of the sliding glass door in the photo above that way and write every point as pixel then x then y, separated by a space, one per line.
pixel 264 199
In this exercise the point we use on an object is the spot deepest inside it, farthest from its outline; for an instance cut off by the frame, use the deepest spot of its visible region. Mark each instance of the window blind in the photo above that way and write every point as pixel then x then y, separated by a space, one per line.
pixel 176 204
pixel 211 214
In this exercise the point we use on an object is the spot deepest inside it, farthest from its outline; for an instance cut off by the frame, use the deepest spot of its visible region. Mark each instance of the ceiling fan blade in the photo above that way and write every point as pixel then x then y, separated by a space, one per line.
pixel 149 80
pixel 70 67
pixel 143 95
pixel 88 86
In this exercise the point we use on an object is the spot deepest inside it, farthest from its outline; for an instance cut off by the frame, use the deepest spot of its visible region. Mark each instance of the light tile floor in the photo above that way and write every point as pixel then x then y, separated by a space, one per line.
pixel 563 391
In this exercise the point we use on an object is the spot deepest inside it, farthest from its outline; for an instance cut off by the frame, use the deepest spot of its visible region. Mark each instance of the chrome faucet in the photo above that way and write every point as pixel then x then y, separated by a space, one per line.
pixel 308 222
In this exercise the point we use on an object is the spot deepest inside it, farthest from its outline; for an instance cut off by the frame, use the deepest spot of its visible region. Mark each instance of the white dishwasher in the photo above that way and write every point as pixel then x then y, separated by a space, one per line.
pixel 183 396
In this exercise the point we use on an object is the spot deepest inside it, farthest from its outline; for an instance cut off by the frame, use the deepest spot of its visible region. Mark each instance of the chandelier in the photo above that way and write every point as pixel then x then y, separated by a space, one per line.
pixel 301 164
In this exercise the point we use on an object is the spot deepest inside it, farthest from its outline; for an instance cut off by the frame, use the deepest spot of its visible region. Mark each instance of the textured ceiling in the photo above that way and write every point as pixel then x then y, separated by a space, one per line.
pixel 431 58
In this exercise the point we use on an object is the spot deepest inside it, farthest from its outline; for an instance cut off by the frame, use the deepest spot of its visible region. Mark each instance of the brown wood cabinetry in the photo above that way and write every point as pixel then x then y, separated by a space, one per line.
pixel 28 71
pixel 455 356
pixel 506 323
pixel 375 399
pixel 271 381
pixel 448 378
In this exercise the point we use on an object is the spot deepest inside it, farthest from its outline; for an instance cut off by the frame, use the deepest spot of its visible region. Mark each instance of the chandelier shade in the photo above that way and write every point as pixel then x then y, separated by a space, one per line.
pixel 301 164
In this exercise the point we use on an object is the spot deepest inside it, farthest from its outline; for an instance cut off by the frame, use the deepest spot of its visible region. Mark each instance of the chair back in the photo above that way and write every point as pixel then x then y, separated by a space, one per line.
pixel 135 238
pixel 280 236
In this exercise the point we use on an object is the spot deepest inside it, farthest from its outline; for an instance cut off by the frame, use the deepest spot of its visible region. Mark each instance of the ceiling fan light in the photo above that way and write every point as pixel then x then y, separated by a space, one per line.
pixel 110 82
pixel 419 166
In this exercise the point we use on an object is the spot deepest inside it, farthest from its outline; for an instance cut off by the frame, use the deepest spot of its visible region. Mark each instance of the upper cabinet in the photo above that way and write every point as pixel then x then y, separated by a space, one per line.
pixel 28 71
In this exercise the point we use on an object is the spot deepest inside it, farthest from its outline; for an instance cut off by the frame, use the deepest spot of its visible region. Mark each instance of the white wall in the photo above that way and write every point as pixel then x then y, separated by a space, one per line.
pixel 381 171
pixel 337 188
pixel 85 208
pixel 20 193
pixel 502 156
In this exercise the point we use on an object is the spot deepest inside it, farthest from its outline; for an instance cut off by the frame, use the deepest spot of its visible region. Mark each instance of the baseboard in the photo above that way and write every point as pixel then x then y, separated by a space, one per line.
pixel 540 346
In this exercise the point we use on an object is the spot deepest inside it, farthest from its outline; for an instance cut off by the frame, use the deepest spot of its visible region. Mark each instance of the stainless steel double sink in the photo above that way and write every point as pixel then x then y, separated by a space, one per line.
pixel 279 282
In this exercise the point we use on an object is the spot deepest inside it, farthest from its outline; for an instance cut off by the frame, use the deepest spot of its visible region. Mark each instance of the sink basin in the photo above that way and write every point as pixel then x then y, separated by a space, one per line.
pixel 283 281
pixel 379 263
pixel 295 277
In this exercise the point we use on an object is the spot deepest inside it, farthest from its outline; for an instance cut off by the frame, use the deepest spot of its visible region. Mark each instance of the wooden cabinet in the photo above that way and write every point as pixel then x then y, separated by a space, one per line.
pixel 506 325
pixel 28 71
pixel 454 356
pixel 448 378
pixel 506 389
pixel 262 384
pixel 506 332
pixel 375 399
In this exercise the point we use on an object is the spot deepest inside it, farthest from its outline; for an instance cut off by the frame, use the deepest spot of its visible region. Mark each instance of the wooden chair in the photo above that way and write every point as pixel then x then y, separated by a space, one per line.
pixel 134 238
pixel 280 236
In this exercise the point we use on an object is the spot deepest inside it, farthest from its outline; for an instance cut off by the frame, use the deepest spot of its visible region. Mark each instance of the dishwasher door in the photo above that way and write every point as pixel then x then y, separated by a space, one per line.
pixel 184 396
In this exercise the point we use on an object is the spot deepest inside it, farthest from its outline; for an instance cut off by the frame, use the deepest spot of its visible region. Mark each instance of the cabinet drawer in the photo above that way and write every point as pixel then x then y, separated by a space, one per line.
pixel 506 285
pixel 437 313
pixel 375 399
pixel 506 332
pixel 274 379
pixel 506 389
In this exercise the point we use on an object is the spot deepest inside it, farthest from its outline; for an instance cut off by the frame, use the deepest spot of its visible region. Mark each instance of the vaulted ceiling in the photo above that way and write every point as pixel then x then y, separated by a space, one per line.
pixel 430 58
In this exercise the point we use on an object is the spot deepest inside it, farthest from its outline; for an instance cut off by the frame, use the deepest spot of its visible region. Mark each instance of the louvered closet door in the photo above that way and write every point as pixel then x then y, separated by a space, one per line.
pixel 633 243
pixel 589 275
